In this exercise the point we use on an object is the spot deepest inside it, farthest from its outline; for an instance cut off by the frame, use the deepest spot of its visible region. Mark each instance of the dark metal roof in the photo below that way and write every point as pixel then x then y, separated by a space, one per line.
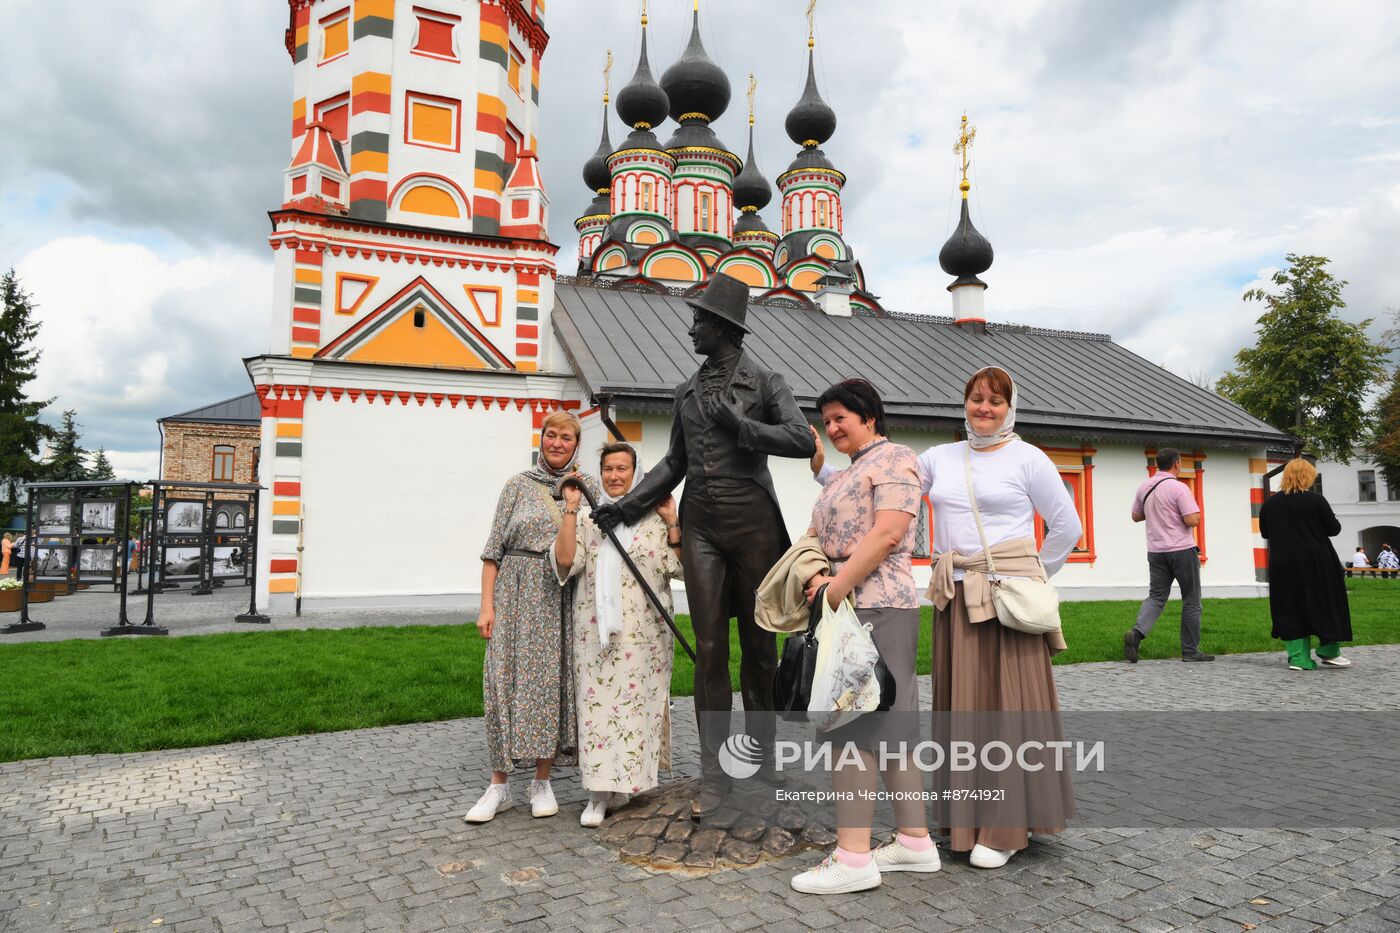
pixel 633 345
pixel 245 409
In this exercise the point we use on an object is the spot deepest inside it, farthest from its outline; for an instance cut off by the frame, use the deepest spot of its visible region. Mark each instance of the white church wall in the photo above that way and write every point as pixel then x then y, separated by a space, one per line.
pixel 1379 515
pixel 398 499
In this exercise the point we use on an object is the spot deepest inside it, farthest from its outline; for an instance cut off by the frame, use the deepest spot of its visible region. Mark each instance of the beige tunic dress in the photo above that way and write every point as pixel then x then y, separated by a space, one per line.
pixel 624 724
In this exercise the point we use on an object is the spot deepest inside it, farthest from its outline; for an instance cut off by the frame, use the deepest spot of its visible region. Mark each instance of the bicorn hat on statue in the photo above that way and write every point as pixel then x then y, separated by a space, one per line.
pixel 725 297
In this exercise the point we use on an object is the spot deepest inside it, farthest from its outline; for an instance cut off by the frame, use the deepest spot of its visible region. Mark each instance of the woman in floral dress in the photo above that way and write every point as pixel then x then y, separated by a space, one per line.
pixel 526 617
pixel 622 648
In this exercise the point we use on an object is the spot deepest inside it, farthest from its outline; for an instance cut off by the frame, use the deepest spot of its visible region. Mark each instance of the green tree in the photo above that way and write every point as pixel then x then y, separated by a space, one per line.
pixel 21 431
pixel 68 460
pixel 101 466
pixel 1309 371
pixel 1385 446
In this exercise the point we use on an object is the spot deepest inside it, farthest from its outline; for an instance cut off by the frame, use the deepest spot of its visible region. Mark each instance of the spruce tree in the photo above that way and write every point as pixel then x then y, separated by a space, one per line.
pixel 68 462
pixel 101 466
pixel 21 431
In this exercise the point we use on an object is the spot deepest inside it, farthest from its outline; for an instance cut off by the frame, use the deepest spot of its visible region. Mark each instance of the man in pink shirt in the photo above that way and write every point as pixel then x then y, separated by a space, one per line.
pixel 1171 513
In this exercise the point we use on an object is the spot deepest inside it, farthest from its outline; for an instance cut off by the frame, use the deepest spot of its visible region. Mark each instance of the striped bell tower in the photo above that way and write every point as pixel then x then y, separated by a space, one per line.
pixel 412 268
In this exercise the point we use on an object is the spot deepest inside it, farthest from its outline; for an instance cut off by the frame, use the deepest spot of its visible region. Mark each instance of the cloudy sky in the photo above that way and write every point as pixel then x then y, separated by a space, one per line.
pixel 1138 165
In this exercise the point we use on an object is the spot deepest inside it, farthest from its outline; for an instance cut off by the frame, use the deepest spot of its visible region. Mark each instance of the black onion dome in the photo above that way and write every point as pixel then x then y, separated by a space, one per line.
pixel 696 134
pixel 642 101
pixel 596 174
pixel 750 222
pixel 751 190
pixel 812 121
pixel 967 253
pixel 810 158
pixel 695 84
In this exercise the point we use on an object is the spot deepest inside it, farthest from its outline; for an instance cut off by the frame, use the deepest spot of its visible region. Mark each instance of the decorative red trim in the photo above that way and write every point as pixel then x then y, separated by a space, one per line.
pixel 442 302
pixel 393 195
pixel 401 230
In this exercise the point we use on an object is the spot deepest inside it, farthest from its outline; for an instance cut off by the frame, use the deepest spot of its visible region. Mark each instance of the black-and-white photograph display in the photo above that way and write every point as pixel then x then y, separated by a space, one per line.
pixel 55 518
pixel 230 561
pixel 231 517
pixel 98 517
pixel 51 563
pixel 181 563
pixel 184 517
pixel 97 563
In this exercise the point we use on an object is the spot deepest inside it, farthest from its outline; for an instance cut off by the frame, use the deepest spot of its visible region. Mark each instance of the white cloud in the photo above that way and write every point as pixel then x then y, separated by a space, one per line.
pixel 129 335
pixel 1137 164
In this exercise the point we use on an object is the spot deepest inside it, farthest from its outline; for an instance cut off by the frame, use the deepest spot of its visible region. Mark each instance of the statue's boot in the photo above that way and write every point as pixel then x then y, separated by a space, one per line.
pixel 709 800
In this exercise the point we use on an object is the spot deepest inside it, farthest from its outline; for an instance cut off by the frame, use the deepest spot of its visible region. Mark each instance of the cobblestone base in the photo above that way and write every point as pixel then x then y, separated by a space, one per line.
pixel 363 831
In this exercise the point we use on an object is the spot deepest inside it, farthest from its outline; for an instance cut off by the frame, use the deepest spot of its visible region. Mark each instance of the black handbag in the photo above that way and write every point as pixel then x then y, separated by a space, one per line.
pixel 792 683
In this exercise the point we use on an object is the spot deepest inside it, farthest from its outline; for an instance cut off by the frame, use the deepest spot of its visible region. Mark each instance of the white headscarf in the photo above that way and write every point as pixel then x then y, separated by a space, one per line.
pixel 1007 431
pixel 607 582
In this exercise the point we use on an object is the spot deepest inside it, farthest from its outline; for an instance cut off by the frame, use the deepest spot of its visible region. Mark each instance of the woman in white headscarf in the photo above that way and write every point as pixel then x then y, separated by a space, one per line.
pixel 979 664
pixel 622 648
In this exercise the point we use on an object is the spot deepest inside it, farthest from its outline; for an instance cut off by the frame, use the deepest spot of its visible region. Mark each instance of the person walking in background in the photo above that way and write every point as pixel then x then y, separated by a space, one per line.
pixel 7 544
pixel 1307 592
pixel 1171 513
pixel 19 554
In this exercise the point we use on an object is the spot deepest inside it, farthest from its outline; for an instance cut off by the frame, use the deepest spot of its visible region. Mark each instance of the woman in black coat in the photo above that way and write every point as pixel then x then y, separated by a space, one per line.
pixel 1307 592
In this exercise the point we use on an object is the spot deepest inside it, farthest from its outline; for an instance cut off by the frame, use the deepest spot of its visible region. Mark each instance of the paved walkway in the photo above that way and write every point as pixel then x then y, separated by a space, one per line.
pixel 86 613
pixel 363 831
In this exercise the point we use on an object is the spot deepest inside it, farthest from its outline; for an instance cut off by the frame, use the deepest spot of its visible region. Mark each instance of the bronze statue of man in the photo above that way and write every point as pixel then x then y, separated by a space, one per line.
pixel 727 419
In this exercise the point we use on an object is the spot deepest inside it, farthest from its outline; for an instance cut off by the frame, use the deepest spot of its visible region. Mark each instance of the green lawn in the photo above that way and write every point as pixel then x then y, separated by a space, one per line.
pixel 84 697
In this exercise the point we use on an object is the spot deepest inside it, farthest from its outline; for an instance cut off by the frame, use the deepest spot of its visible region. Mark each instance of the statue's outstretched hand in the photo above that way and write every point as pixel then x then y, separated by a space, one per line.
pixel 607 517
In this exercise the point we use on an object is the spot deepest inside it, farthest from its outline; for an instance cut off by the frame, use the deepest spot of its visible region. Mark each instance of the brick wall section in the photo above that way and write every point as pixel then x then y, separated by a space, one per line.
pixel 189 450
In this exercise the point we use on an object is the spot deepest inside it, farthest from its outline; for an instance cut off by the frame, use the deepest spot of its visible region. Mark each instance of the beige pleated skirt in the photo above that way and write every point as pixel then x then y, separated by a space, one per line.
pixel 987 668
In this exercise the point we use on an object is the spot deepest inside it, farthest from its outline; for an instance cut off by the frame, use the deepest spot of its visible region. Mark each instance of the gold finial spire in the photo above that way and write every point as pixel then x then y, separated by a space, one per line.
pixel 607 79
pixel 753 86
pixel 811 24
pixel 644 13
pixel 963 147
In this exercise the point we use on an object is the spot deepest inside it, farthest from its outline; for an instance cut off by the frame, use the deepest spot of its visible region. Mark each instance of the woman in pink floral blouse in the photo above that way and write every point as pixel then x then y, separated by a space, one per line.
pixel 864 520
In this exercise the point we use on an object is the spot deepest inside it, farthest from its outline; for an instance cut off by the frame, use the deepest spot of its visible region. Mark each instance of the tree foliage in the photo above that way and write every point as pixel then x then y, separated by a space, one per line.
pixel 67 461
pixel 1385 446
pixel 101 466
pixel 1309 371
pixel 21 431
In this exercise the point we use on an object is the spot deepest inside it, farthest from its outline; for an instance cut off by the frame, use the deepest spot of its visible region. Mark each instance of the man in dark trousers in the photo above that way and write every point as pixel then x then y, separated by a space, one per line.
pixel 1171 513
pixel 727 419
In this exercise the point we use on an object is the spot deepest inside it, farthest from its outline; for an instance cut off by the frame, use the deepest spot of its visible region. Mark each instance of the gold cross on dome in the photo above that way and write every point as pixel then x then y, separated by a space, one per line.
pixel 644 12
pixel 607 77
pixel 753 86
pixel 811 23
pixel 963 148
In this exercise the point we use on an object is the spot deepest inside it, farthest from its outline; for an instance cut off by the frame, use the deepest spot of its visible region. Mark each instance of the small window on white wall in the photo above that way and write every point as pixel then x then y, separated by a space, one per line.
pixel 437 34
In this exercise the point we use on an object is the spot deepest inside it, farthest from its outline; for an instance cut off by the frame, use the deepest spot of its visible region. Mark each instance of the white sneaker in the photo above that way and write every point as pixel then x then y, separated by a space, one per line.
pixel 496 799
pixel 1338 661
pixel 542 799
pixel 596 810
pixel 832 876
pixel 895 856
pixel 983 857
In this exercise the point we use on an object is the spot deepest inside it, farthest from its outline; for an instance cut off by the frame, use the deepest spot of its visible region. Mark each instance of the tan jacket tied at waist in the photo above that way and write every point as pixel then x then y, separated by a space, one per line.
pixel 781 604
pixel 1015 558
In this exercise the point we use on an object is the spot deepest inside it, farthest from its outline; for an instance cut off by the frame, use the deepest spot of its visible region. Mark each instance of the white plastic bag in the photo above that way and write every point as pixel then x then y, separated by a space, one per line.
pixel 843 682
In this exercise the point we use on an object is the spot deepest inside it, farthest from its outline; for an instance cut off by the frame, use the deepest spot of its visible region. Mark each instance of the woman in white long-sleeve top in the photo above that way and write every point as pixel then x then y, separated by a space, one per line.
pixel 980 665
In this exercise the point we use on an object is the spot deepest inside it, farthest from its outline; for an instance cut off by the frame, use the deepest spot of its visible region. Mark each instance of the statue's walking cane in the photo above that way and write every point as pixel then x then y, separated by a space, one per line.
pixel 627 559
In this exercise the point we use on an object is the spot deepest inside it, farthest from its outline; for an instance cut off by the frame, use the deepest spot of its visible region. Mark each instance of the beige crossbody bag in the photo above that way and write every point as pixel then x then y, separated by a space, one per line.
pixel 1022 604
